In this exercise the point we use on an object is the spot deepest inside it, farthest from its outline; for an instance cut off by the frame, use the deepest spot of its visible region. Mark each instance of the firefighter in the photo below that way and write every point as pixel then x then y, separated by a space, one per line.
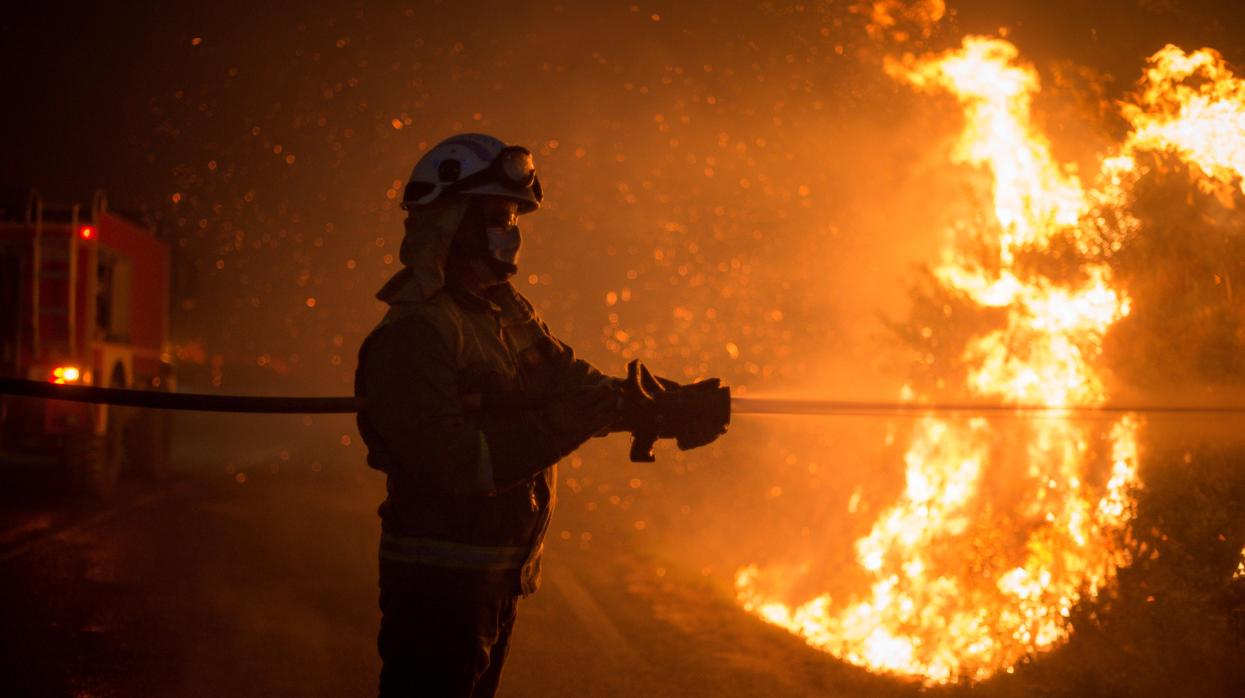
pixel 471 487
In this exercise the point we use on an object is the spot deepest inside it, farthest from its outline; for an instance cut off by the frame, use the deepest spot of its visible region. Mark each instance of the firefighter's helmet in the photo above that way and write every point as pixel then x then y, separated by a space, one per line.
pixel 473 163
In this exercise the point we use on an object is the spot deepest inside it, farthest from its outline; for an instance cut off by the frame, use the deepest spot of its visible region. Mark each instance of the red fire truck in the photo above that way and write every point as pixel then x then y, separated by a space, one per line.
pixel 84 298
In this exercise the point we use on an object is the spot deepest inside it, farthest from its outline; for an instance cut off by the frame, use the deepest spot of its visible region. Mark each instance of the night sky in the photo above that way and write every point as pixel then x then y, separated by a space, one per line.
pixel 732 188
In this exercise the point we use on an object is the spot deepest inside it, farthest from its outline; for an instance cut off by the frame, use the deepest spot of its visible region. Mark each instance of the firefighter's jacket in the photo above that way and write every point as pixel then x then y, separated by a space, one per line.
pixel 470 492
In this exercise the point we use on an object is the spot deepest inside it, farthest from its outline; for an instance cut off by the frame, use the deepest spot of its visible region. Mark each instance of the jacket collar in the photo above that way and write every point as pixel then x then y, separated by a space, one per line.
pixel 470 300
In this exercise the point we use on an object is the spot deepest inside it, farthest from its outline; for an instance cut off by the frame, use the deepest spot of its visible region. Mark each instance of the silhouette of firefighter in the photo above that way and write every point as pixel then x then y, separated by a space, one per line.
pixel 471 402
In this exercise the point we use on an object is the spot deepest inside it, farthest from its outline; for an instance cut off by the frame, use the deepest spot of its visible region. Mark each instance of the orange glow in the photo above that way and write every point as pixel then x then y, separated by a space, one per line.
pixel 948 595
pixel 86 232
pixel 65 374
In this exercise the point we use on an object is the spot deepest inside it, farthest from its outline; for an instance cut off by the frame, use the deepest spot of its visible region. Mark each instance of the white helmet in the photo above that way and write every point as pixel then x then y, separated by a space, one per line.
pixel 473 163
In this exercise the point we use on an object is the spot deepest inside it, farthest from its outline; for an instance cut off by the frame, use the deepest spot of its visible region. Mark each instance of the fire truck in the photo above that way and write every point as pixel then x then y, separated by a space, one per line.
pixel 84 299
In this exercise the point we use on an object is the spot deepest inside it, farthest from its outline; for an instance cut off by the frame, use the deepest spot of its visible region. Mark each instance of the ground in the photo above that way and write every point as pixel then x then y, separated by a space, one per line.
pixel 262 581
pixel 258 578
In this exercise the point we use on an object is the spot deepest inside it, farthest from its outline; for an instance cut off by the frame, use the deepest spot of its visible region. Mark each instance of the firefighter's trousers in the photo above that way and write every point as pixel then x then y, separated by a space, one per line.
pixel 433 645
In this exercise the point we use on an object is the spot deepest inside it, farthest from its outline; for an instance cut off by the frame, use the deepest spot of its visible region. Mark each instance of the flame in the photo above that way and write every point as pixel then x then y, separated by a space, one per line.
pixel 1032 195
pixel 957 589
pixel 959 586
pixel 1191 104
pixel 965 582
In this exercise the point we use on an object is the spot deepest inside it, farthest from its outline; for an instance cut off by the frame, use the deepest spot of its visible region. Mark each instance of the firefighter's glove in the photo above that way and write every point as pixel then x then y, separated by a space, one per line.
pixel 701 411
pixel 656 408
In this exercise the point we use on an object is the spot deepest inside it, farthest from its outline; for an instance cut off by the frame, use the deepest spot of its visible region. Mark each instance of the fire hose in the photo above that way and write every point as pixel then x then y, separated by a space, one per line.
pixel 716 399
pixel 210 402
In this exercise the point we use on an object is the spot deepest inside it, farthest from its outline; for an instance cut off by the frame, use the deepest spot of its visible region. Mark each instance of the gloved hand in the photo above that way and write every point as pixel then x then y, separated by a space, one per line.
pixel 694 415
pixel 710 422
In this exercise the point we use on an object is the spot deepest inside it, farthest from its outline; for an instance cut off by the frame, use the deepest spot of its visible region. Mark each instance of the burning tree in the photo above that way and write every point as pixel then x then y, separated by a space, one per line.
pixel 1179 259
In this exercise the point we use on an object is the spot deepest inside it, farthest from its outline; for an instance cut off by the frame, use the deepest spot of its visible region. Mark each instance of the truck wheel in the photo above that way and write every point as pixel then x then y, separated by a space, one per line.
pixel 95 461
pixel 147 446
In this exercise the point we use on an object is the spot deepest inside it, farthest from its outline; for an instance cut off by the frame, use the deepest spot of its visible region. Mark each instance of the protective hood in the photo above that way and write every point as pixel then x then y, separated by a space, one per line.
pixel 425 249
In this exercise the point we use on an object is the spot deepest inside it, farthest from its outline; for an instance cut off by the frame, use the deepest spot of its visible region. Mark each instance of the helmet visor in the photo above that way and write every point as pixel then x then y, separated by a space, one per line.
pixel 516 166
pixel 512 173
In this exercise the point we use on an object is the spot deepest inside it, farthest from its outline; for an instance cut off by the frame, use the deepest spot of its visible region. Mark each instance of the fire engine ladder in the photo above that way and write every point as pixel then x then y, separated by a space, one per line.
pixel 52 261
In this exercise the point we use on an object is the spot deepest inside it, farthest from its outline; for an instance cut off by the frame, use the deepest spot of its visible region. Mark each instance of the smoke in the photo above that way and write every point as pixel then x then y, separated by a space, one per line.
pixel 733 189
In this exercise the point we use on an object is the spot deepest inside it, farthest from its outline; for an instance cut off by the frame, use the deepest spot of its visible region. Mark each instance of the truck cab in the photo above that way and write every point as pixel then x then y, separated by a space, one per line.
pixel 84 299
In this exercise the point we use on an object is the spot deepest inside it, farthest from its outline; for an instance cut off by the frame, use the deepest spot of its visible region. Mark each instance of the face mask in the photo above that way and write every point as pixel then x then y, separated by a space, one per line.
pixel 489 240
pixel 501 263
pixel 504 243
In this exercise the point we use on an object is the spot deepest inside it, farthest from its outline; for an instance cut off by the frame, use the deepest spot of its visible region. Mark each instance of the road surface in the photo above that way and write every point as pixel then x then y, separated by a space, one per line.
pixel 253 573
pixel 259 579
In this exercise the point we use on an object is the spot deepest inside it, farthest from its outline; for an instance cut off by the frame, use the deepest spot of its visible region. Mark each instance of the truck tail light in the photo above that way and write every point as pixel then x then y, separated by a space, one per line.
pixel 86 232
pixel 65 374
